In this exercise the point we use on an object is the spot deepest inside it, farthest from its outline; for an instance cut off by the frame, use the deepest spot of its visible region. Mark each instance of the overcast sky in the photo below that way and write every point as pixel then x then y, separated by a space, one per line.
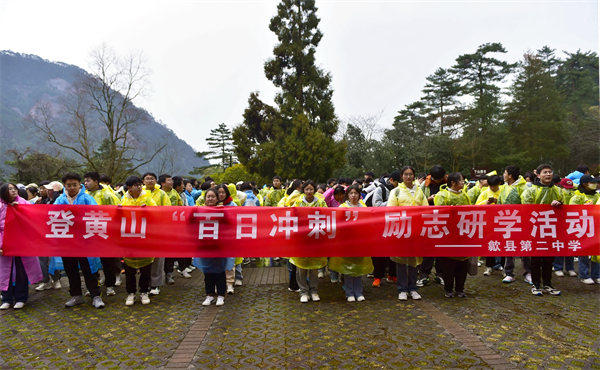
pixel 207 56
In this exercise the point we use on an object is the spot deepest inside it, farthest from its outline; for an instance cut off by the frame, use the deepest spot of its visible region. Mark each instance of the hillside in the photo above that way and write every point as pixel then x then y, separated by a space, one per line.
pixel 25 79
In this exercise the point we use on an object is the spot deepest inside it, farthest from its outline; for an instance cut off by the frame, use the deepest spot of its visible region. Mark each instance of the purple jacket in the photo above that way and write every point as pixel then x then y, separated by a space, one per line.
pixel 31 264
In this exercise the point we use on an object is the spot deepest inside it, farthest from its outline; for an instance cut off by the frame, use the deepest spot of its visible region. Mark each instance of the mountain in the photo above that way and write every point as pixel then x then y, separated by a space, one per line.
pixel 26 79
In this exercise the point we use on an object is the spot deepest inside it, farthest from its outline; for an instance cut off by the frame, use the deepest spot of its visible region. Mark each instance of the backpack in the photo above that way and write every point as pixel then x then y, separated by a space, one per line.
pixel 384 195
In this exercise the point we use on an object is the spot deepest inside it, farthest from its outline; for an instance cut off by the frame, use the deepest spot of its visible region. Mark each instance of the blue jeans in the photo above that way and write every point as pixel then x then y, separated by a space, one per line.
pixel 238 272
pixel 567 262
pixel 19 292
pixel 353 286
pixel 584 268
pixel 407 278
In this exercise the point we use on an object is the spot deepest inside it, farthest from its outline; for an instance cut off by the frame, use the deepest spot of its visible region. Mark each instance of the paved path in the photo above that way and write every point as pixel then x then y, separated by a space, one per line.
pixel 264 326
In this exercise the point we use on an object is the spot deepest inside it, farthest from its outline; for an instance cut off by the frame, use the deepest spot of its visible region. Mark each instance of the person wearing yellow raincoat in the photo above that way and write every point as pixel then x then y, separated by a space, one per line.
pixel 408 193
pixel 306 267
pixel 166 185
pixel 490 196
pixel 476 190
pixel 543 191
pixel 136 196
pixel 294 192
pixel 589 270
pixel 353 268
pixel 158 266
pixel 274 195
pixel 454 269
pixel 104 197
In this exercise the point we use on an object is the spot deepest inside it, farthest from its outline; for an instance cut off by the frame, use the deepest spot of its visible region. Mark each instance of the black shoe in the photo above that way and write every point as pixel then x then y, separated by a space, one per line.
pixel 449 295
pixel 461 294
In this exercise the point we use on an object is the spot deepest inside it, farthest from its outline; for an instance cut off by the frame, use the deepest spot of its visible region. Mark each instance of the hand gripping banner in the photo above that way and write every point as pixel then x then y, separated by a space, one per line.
pixel 109 231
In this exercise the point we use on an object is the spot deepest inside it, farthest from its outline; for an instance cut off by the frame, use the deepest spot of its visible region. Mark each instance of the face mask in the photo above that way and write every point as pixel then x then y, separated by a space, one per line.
pixel 529 184
pixel 593 185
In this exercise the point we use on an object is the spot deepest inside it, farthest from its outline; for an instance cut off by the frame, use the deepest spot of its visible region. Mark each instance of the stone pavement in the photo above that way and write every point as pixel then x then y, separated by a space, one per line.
pixel 264 326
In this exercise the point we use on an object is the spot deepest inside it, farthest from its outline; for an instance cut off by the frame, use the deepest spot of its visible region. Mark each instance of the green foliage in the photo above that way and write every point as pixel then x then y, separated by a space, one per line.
pixel 236 173
pixel 31 166
pixel 219 141
pixel 294 140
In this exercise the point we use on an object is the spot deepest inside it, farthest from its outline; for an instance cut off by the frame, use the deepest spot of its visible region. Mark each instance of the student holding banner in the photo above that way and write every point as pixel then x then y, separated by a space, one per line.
pixel 408 193
pixel 454 269
pixel 136 196
pixel 307 267
pixel 353 268
pixel 15 272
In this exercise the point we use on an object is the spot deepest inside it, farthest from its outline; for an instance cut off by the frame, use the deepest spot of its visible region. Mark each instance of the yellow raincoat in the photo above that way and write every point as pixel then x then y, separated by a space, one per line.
pixel 174 198
pixel 511 194
pixel 580 198
pixel 159 196
pixel 540 194
pixel 273 197
pixel 309 263
pixel 474 193
pixel 567 195
pixel 145 198
pixel 291 199
pixel 200 200
pixel 402 196
pixel 233 194
pixel 105 197
pixel 486 194
pixel 446 197
pixel 351 266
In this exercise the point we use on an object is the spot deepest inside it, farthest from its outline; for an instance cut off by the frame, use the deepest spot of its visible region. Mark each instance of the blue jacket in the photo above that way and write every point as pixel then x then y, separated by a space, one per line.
pixel 251 199
pixel 82 198
pixel 575 177
pixel 190 198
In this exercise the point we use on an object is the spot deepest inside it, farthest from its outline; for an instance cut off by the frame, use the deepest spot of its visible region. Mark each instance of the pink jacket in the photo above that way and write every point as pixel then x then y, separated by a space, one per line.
pixel 31 264
pixel 330 199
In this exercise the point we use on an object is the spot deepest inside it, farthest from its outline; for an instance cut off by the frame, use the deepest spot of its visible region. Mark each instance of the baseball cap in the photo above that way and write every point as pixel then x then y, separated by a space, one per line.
pixel 588 178
pixel 566 183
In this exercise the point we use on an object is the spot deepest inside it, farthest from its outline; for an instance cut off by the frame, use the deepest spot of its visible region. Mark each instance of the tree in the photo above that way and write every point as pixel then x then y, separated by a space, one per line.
pixel 32 166
pixel 535 115
pixel 102 118
pixel 577 78
pixel 441 94
pixel 219 141
pixel 550 62
pixel 294 140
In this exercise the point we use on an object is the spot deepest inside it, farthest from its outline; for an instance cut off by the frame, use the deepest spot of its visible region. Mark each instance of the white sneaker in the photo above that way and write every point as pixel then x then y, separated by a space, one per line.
pixel 188 269
pixel 19 305
pixel 229 289
pixel 321 275
pixel 144 298
pixel 528 279
pixel 597 281
pixel 508 279
pixel 118 280
pixel 238 282
pixel 130 299
pixel 587 281
pixel 559 273
pixel 87 293
pixel 360 298
pixel 351 299
pixel 110 291
pixel 403 296
pixel 57 284
pixel 44 286
pixel 102 280
pixel 220 300
pixel 192 267
pixel 209 299
pixel 186 274
pixel 572 273
pixel 479 263
pixel 488 271
pixel 155 291
pixel 315 297
pixel 5 306
pixel 415 295
pixel 304 298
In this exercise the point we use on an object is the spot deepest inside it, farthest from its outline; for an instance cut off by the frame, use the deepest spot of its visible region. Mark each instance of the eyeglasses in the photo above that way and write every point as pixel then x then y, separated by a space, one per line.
pixel 408 175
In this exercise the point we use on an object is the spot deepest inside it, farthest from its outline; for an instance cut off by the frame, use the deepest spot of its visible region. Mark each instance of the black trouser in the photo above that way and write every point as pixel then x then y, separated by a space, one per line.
pixel 20 291
pixel 170 262
pixel 218 279
pixel 541 269
pixel 454 273
pixel 293 282
pixel 109 265
pixel 380 264
pixel 72 266
pixel 427 266
pixel 491 261
pixel 145 275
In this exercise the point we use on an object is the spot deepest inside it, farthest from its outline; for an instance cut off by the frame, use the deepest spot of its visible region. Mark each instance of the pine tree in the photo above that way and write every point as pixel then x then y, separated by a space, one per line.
pixel 535 115
pixel 219 141
pixel 294 140
pixel 440 94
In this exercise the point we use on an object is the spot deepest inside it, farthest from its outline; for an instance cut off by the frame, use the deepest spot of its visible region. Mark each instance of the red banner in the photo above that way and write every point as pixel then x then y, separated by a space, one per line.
pixel 109 231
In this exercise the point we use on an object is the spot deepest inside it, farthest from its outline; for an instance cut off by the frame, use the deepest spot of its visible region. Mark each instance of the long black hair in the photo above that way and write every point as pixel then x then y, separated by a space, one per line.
pixel 4 194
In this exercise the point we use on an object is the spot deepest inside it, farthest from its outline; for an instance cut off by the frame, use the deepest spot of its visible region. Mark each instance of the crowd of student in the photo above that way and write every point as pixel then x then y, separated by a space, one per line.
pixel 399 188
